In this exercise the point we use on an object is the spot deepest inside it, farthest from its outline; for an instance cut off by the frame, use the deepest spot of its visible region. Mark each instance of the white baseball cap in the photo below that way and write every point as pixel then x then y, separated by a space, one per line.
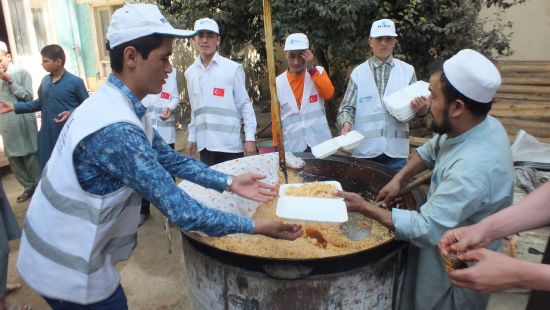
pixel 383 28
pixel 473 75
pixel 206 24
pixel 134 21
pixel 3 46
pixel 296 42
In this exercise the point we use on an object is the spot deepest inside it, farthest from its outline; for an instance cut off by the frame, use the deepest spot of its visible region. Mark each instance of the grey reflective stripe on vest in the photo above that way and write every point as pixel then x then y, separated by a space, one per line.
pixel 216 111
pixel 80 209
pixel 159 110
pixel 161 123
pixel 370 118
pixel 73 261
pixel 219 127
pixel 295 118
pixel 300 133
pixel 387 133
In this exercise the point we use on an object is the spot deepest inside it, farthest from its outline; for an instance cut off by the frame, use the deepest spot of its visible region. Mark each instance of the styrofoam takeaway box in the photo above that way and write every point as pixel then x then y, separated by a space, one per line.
pixel 398 103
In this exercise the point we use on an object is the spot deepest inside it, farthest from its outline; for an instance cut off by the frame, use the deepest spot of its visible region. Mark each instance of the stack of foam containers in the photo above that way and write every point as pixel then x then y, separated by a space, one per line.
pixel 398 104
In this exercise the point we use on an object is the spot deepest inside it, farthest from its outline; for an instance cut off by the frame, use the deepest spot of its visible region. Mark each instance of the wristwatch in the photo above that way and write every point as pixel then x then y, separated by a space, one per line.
pixel 228 183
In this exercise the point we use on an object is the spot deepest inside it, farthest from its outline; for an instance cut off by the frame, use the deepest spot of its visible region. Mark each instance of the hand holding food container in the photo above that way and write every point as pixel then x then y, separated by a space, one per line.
pixel 398 103
pixel 346 142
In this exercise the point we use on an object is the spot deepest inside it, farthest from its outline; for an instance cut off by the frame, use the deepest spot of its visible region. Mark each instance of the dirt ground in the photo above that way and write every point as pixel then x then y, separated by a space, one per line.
pixel 152 278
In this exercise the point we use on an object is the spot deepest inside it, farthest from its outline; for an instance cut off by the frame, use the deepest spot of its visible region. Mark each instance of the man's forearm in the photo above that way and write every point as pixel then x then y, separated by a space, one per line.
pixel 380 215
pixel 346 112
pixel 27 107
pixel 413 167
pixel 533 276
pixel 531 212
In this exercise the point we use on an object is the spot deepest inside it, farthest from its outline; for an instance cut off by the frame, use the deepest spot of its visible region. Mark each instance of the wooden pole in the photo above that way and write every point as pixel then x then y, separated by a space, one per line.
pixel 275 105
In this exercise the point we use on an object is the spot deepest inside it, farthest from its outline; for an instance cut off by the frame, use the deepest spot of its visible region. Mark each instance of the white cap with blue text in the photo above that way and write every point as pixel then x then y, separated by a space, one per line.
pixel 207 24
pixel 473 75
pixel 383 28
pixel 296 42
pixel 134 21
pixel 3 47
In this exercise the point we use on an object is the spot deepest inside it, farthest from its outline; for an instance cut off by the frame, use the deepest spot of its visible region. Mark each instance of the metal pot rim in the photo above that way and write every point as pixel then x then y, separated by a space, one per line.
pixel 382 247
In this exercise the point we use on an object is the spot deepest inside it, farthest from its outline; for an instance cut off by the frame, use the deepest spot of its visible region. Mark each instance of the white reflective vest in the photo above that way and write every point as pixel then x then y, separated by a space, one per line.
pixel 306 126
pixel 156 103
pixel 72 238
pixel 217 122
pixel 383 133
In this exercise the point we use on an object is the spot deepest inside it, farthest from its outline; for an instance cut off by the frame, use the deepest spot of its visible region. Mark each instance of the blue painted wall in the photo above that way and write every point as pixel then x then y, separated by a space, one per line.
pixel 64 35
pixel 83 38
pixel 86 39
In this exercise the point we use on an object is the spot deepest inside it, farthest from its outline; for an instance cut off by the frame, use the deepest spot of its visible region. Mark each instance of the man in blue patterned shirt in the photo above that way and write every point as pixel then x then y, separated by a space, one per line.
pixel 84 215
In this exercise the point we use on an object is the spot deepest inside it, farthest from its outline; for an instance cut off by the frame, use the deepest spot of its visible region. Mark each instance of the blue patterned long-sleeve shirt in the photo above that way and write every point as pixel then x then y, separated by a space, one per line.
pixel 120 154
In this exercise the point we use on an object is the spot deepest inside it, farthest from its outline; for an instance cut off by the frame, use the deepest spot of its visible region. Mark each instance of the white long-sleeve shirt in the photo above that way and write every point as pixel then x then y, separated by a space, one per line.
pixel 199 81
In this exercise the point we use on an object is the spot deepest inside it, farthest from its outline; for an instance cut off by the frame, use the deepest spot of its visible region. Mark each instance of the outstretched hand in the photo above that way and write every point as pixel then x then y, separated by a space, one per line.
pixel 354 202
pixel 249 186
pixel 277 230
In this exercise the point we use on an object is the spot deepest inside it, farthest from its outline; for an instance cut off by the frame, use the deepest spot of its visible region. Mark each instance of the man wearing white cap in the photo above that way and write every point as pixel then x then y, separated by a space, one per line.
pixel 19 131
pixel 83 218
pixel 160 108
pixel 386 139
pixel 219 101
pixel 302 91
pixel 472 178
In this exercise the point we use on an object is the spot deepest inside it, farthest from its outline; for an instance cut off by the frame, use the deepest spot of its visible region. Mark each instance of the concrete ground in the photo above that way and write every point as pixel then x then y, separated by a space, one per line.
pixel 152 278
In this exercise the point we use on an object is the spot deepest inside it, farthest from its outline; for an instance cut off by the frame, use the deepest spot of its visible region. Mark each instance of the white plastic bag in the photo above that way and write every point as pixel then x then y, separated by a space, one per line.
pixel 528 148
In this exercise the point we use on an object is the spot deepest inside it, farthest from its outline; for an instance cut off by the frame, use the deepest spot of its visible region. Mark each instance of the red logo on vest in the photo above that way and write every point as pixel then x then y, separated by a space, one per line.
pixel 313 98
pixel 218 92
pixel 164 95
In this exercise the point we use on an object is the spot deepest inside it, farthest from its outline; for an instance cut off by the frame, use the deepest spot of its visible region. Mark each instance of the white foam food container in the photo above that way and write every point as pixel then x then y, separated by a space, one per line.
pixel 398 103
pixel 347 142
pixel 325 149
pixel 331 210
pixel 350 140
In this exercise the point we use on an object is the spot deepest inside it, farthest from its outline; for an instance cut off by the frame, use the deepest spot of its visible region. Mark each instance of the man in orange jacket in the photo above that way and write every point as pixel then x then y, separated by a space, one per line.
pixel 302 91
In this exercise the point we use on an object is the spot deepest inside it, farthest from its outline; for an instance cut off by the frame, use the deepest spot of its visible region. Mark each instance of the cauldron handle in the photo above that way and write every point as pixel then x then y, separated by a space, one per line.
pixel 286 271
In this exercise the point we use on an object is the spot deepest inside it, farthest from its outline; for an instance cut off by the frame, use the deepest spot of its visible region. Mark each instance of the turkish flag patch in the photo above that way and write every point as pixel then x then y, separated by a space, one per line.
pixel 218 92
pixel 313 98
pixel 164 95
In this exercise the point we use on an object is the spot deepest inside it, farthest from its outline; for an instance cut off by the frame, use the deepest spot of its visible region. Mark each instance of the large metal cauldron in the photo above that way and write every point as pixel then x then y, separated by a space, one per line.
pixel 218 279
